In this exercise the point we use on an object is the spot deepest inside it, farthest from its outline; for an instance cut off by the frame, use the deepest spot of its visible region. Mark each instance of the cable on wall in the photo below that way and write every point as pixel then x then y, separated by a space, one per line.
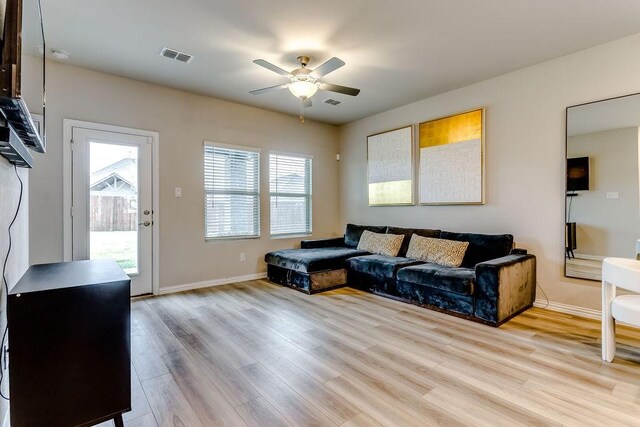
pixel 3 356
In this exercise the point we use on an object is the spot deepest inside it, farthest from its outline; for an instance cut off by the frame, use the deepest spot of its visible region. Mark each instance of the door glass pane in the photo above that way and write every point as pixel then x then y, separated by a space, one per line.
pixel 113 204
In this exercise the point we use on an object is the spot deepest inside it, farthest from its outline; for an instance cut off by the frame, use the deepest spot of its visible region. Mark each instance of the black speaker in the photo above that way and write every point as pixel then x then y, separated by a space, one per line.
pixel 70 344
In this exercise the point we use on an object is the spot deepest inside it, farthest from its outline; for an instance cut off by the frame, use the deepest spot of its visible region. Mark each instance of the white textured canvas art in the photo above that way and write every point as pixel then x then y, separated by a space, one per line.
pixel 451 159
pixel 390 167
pixel 451 173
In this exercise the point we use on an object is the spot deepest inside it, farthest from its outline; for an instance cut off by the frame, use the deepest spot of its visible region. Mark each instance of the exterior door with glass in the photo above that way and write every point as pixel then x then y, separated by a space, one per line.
pixel 111 209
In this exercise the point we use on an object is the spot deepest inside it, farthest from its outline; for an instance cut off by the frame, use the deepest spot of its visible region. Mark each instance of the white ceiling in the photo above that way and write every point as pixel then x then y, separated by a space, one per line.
pixel 396 52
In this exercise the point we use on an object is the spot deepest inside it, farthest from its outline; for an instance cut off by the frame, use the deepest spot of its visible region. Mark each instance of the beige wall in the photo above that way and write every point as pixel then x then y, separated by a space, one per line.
pixel 524 161
pixel 525 156
pixel 183 121
pixel 19 257
pixel 607 227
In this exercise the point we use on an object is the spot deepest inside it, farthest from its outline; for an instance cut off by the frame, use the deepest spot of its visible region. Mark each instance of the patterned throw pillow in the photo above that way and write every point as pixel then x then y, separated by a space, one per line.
pixel 438 251
pixel 382 244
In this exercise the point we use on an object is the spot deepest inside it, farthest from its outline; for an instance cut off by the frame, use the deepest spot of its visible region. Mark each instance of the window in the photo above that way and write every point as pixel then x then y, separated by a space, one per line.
pixel 290 190
pixel 232 191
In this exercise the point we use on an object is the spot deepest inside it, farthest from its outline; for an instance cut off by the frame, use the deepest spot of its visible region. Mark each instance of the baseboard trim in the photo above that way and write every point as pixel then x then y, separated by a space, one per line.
pixel 209 283
pixel 574 310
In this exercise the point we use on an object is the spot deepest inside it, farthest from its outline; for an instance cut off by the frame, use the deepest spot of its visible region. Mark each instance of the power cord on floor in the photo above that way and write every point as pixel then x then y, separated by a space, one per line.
pixel 3 361
pixel 543 293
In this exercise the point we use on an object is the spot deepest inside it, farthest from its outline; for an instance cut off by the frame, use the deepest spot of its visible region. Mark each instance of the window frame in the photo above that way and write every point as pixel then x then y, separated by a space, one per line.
pixel 257 193
pixel 308 196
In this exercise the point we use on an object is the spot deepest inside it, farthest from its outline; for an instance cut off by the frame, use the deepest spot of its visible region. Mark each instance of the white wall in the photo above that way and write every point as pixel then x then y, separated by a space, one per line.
pixel 183 120
pixel 19 257
pixel 525 156
pixel 607 227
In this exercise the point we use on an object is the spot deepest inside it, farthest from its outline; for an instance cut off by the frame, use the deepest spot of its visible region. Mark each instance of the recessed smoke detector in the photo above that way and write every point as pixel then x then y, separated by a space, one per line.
pixel 60 54
pixel 176 55
pixel 332 101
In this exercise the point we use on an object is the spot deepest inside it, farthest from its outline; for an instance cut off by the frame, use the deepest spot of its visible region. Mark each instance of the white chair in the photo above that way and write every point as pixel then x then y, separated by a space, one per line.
pixel 618 273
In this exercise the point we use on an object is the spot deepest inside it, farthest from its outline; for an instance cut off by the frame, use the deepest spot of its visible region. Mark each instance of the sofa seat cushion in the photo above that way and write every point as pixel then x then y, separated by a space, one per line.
pixel 458 280
pixel 379 265
pixel 312 260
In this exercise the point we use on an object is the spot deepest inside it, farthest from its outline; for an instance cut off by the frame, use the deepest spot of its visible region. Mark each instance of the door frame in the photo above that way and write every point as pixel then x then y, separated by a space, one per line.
pixel 67 190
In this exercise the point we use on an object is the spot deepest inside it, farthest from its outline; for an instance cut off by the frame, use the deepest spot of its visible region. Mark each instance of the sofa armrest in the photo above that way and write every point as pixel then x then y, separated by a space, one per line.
pixel 504 287
pixel 323 243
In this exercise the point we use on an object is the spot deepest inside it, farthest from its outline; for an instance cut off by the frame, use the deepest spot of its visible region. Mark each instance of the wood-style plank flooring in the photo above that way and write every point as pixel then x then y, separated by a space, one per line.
pixel 258 354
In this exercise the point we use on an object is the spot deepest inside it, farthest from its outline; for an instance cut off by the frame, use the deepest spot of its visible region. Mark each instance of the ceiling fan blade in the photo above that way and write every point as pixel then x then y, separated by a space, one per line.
pixel 270 66
pixel 307 103
pixel 328 67
pixel 340 89
pixel 268 89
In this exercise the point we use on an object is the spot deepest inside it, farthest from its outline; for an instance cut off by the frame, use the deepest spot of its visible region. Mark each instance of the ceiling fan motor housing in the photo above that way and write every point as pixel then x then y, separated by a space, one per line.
pixel 304 60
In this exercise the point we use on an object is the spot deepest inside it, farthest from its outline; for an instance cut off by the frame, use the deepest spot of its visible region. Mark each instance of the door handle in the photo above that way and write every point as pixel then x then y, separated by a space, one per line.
pixel 146 223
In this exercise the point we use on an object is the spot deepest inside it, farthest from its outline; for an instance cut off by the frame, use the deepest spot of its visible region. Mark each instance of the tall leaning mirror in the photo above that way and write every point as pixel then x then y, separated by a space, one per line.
pixel 602 211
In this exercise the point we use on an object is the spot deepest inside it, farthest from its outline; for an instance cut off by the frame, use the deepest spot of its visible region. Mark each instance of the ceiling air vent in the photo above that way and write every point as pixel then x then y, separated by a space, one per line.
pixel 332 101
pixel 174 54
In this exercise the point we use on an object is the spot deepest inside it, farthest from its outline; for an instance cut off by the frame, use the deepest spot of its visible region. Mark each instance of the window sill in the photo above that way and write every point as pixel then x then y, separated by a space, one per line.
pixel 290 236
pixel 230 239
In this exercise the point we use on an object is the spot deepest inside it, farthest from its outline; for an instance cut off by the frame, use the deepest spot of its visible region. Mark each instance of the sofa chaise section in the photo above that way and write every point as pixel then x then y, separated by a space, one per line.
pixel 310 270
pixel 319 265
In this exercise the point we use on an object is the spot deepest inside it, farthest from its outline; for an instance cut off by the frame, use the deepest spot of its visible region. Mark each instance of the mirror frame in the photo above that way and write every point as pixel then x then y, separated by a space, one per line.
pixel 566 156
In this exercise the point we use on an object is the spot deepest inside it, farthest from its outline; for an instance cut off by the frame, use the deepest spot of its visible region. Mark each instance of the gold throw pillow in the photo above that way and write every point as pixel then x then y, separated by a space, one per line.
pixel 379 243
pixel 449 253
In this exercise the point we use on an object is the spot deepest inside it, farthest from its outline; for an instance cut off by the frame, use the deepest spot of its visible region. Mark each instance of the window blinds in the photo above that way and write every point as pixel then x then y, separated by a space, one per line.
pixel 232 191
pixel 290 191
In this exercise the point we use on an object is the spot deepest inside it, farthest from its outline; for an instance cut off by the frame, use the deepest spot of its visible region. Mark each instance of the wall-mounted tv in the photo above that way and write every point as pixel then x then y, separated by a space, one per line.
pixel 578 174
pixel 21 33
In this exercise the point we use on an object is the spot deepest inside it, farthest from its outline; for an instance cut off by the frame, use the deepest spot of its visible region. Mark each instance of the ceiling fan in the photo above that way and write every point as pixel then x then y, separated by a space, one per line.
pixel 304 83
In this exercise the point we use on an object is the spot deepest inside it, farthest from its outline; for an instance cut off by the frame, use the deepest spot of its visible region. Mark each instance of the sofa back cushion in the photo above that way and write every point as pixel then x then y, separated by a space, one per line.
pixel 449 253
pixel 353 233
pixel 482 247
pixel 380 243
pixel 408 232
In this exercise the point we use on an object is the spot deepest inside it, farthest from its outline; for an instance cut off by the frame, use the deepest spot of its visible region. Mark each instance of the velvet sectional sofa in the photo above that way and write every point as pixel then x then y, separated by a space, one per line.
pixel 493 283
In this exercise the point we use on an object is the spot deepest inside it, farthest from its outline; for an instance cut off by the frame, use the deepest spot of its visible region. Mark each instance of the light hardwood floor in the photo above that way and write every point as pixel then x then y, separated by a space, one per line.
pixel 258 354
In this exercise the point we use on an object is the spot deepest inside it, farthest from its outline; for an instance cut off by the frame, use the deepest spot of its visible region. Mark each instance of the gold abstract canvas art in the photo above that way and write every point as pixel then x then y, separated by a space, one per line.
pixel 451 160
pixel 390 167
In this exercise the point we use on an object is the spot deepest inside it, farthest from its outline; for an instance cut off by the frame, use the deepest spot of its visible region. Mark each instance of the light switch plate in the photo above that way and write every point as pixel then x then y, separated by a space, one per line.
pixel 613 195
pixel 178 192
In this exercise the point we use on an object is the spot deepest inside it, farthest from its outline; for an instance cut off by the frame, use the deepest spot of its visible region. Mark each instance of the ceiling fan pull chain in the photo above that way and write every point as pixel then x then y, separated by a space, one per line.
pixel 301 111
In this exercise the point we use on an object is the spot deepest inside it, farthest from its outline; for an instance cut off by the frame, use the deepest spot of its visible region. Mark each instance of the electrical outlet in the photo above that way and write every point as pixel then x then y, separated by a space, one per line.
pixel 243 256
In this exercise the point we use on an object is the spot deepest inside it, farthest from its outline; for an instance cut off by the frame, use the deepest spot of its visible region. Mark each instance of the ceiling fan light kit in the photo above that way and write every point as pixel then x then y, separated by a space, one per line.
pixel 303 89
pixel 304 83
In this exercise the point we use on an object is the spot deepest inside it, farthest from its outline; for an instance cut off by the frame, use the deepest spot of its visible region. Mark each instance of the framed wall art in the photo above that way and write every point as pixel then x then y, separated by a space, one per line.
pixel 390 167
pixel 451 152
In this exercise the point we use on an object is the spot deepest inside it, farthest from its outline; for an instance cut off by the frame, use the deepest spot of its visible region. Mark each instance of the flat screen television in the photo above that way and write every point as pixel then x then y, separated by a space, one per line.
pixel 21 33
pixel 578 174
